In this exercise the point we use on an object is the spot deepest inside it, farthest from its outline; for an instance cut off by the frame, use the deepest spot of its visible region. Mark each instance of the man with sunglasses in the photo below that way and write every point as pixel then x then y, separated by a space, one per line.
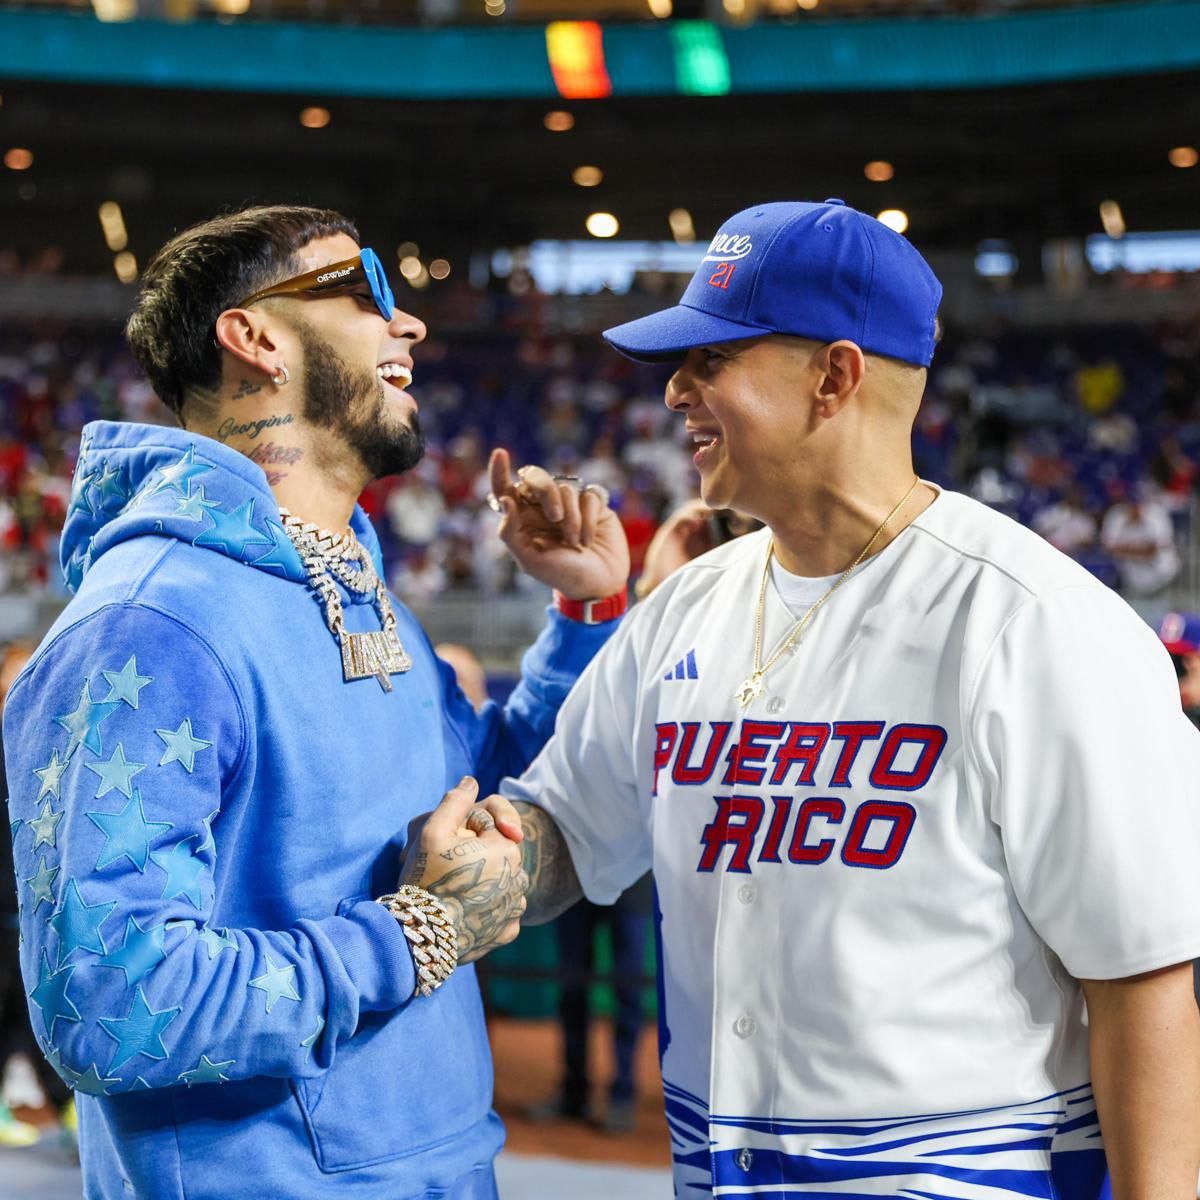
pixel 215 753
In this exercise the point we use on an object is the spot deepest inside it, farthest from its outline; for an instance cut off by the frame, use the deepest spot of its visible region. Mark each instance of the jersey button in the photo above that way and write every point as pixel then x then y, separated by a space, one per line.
pixel 745 1158
pixel 744 1026
pixel 775 704
pixel 746 893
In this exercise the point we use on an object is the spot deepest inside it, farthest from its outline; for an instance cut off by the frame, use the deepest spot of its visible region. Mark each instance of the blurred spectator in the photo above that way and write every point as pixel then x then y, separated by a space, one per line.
pixel 1139 536
pixel 1067 525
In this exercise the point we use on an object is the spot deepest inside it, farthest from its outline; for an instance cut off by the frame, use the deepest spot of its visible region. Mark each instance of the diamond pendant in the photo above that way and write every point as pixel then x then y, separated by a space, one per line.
pixel 749 689
pixel 379 654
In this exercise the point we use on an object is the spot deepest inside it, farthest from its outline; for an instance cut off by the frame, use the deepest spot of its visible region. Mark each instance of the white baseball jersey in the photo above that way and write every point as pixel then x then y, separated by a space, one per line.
pixel 970 786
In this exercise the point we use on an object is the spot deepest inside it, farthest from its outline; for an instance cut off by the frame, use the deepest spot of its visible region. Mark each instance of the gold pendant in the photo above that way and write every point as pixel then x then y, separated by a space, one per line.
pixel 749 690
pixel 379 654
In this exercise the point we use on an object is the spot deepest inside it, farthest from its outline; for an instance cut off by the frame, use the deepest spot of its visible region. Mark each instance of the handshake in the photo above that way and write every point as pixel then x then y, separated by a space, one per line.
pixel 468 857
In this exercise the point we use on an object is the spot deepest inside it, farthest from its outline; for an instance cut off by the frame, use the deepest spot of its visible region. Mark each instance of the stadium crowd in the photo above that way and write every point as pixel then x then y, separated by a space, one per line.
pixel 1091 437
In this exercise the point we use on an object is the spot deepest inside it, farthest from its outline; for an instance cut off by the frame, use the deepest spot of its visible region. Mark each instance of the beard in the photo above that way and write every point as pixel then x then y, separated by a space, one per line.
pixel 351 404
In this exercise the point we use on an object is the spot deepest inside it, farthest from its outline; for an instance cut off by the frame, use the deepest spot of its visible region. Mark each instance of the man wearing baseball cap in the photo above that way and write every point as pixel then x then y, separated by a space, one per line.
pixel 913 785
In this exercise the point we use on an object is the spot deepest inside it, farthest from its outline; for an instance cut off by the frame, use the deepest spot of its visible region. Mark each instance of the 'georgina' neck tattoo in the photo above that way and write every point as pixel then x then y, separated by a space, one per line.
pixel 251 429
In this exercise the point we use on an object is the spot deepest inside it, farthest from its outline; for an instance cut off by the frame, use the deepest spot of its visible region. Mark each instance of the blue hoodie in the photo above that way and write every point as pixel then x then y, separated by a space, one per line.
pixel 202 813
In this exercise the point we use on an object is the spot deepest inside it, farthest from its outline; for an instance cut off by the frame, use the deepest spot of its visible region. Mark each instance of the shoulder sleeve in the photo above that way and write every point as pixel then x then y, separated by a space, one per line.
pixel 122 739
pixel 1093 771
pixel 586 777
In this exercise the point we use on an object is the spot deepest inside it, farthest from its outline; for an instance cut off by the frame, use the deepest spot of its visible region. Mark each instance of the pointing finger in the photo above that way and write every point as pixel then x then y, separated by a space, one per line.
pixel 500 472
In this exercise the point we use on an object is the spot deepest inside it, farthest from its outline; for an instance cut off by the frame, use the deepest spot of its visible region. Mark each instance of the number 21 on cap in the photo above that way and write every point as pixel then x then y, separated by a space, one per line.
pixel 722 275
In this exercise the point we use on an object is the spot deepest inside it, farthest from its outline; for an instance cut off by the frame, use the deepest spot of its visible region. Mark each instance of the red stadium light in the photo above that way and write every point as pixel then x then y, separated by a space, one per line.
pixel 576 53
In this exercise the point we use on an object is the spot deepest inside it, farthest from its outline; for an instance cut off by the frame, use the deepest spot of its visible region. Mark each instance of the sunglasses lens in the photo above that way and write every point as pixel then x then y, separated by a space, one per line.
pixel 380 289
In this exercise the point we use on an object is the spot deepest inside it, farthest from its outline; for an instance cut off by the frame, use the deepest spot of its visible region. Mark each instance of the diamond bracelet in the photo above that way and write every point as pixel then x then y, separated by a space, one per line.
pixel 432 938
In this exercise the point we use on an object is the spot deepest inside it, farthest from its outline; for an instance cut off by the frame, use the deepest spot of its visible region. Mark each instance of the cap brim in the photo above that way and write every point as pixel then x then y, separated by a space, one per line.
pixel 1179 647
pixel 672 332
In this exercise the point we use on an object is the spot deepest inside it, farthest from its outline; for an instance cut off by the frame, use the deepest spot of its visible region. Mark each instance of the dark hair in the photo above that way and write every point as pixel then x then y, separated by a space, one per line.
pixel 203 271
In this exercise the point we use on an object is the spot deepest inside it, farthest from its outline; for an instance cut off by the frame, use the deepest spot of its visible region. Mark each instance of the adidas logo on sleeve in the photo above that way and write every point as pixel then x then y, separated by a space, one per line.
pixel 685 668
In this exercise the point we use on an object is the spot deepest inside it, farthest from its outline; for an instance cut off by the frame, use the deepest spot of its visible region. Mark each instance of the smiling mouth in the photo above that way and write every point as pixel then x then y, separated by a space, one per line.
pixel 395 374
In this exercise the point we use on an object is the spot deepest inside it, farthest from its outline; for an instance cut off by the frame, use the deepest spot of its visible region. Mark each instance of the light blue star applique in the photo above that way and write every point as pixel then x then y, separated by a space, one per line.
pixel 179 475
pixel 13 826
pixel 79 495
pixel 232 532
pixel 91 1082
pixel 310 1041
pixel 282 557
pixel 75 568
pixel 207 1071
pixel 183 871
pixel 138 1085
pixel 45 827
pixel 140 1032
pixel 78 923
pixel 42 884
pixel 209 842
pixel 53 1057
pixel 140 952
pixel 116 773
pixel 182 747
pixel 109 487
pixel 84 723
pixel 126 684
pixel 127 834
pixel 216 942
pixel 192 506
pixel 51 997
pixel 51 775
pixel 278 983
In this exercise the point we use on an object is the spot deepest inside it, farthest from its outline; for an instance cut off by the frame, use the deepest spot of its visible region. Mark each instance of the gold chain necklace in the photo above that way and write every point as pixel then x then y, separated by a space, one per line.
pixel 753 685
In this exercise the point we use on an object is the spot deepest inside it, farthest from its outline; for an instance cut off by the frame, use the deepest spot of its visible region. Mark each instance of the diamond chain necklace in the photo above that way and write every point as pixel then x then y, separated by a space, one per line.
pixel 753 685
pixel 327 556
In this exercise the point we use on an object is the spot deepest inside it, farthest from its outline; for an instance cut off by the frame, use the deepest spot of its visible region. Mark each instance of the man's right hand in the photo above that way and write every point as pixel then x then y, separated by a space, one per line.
pixel 478 877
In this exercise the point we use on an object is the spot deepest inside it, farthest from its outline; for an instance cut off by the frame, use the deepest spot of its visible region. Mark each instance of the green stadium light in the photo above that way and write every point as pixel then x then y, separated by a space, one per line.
pixel 701 64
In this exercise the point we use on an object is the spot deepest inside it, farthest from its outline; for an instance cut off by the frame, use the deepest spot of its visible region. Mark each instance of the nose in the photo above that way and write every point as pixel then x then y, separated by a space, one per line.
pixel 681 388
pixel 405 325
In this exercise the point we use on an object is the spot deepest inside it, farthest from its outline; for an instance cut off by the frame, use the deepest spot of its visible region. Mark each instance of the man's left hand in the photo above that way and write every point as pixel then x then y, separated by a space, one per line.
pixel 560 533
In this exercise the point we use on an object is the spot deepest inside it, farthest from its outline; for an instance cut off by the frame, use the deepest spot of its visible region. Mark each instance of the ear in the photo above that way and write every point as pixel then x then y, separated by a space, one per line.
pixel 249 338
pixel 844 367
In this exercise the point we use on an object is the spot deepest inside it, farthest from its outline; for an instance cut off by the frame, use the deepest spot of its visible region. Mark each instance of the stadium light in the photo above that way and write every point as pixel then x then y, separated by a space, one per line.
pixel 807 5
pixel 879 171
pixel 660 8
pixel 18 159
pixel 230 8
pixel 558 121
pixel 602 225
pixel 1112 218
pixel 894 218
pixel 114 10
pixel 315 117
pixel 587 176
pixel 125 266
pixel 411 268
pixel 494 8
pixel 682 228
pixel 1183 157
pixel 408 250
pixel 439 269
pixel 112 222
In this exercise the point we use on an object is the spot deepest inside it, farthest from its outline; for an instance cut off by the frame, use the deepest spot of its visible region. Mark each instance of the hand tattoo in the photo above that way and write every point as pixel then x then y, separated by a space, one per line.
pixel 553 884
pixel 481 908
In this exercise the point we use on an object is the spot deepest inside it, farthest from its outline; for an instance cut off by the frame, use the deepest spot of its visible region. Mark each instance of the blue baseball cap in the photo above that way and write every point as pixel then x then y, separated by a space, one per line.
pixel 822 271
